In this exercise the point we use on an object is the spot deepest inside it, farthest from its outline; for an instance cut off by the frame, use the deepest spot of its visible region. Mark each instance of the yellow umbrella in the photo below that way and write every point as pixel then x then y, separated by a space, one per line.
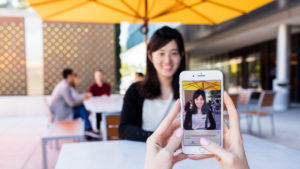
pixel 202 85
pixel 144 11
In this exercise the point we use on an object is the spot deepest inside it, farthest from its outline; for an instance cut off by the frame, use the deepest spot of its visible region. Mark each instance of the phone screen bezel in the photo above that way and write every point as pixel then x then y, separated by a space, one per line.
pixel 200 75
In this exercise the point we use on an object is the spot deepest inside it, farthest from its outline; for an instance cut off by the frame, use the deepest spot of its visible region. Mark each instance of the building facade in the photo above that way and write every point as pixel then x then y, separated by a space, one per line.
pixel 260 50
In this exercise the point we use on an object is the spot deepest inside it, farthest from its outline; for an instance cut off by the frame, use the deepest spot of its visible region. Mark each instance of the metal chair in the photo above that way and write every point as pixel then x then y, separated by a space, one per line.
pixel 244 106
pixel 60 130
pixel 264 108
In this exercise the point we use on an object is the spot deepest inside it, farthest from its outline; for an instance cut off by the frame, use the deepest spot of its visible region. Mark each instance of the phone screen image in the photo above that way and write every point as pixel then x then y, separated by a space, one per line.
pixel 202 114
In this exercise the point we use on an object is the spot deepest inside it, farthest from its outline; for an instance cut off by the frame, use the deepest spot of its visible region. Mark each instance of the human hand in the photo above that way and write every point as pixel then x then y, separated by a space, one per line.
pixel 86 96
pixel 163 143
pixel 232 156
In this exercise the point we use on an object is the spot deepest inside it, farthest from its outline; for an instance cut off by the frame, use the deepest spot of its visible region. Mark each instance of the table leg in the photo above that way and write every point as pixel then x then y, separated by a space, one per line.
pixel 44 142
pixel 94 121
pixel 104 128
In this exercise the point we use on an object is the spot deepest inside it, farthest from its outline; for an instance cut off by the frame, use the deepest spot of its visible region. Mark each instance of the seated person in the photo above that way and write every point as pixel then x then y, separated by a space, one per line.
pixel 146 103
pixel 99 88
pixel 67 107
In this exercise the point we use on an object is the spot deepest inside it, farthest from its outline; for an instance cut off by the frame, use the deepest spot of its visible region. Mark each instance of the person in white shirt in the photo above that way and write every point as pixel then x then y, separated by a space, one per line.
pixel 199 116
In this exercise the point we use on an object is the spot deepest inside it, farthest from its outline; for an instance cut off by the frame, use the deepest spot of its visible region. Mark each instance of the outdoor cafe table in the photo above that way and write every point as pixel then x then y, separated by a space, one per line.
pixel 107 106
pixel 123 154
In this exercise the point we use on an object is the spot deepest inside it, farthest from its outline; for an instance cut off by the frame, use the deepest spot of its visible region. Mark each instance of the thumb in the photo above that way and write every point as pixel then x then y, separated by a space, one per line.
pixel 175 140
pixel 213 148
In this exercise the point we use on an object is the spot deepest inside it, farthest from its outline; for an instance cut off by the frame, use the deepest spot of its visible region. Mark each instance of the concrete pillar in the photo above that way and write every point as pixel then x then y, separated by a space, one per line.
pixel 281 85
pixel 34 53
pixel 33 46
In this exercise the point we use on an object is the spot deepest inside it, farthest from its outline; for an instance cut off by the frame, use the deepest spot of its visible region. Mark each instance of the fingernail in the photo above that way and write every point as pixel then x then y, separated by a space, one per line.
pixel 204 141
pixel 179 132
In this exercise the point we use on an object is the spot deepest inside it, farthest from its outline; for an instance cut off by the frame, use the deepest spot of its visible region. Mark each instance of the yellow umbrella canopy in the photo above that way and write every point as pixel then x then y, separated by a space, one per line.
pixel 134 11
pixel 202 85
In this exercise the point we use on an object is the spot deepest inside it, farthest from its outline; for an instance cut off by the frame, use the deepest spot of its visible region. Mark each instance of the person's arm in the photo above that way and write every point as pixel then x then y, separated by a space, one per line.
pixel 131 117
pixel 77 96
pixel 67 96
pixel 187 121
pixel 211 121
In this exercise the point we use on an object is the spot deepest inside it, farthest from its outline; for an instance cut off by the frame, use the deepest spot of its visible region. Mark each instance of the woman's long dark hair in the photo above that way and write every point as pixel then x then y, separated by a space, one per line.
pixel 205 110
pixel 150 86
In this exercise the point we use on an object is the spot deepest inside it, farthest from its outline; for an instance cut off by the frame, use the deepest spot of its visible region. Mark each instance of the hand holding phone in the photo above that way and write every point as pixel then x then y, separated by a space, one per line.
pixel 164 142
pixel 232 156
pixel 201 95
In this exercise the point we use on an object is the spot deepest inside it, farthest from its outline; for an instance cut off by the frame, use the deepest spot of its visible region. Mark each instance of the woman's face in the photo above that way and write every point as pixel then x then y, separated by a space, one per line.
pixel 199 101
pixel 166 60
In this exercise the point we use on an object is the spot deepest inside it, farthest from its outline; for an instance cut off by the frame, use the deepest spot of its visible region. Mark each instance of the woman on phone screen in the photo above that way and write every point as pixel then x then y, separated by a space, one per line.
pixel 199 116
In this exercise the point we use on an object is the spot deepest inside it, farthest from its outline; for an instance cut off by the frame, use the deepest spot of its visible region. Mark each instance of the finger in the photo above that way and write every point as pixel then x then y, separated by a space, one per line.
pixel 199 157
pixel 167 134
pixel 163 127
pixel 213 148
pixel 174 141
pixel 179 157
pixel 175 124
pixel 233 114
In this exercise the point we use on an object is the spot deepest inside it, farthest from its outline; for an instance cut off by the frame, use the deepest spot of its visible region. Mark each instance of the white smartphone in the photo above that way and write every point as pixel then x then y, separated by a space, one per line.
pixel 201 97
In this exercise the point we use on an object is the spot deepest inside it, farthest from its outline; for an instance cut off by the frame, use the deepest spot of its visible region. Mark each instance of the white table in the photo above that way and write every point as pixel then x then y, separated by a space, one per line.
pixel 107 106
pixel 123 154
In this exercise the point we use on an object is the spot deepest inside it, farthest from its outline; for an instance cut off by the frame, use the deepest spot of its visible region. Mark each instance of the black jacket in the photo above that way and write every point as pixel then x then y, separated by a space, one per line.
pixel 130 127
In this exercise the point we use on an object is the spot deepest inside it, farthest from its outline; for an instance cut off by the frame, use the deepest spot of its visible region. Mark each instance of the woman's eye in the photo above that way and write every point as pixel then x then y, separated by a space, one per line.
pixel 175 53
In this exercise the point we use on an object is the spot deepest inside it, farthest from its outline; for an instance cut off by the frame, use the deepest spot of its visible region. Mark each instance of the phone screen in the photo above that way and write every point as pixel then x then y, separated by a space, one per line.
pixel 202 111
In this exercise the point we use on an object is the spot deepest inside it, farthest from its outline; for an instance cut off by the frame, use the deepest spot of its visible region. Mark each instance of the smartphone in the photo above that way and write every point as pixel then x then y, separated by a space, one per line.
pixel 201 97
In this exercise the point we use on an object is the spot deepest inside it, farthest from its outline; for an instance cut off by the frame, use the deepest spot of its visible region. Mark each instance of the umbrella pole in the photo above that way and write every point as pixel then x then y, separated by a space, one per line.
pixel 146 20
pixel 146 31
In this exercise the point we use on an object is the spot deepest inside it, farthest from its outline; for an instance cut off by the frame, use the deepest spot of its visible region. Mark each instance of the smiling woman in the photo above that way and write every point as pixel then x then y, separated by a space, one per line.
pixel 147 102
pixel 199 116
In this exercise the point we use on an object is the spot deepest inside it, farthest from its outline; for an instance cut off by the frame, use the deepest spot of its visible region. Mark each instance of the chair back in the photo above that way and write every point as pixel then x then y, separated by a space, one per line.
pixel 50 115
pixel 266 99
pixel 245 96
pixel 112 123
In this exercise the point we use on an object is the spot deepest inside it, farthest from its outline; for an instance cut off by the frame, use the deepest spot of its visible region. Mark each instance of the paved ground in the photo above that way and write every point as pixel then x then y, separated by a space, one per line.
pixel 23 121
pixel 287 127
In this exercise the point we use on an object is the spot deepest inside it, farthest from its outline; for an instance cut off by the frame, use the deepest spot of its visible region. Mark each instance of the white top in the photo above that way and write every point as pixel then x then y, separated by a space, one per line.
pixel 198 121
pixel 154 111
pixel 124 154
